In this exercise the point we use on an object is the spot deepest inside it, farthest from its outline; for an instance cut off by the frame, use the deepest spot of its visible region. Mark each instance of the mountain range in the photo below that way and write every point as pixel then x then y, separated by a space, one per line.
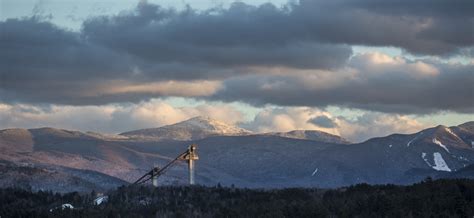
pixel 64 160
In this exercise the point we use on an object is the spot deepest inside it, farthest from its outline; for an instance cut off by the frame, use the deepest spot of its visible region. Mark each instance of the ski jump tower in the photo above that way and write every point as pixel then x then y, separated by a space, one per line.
pixel 190 157
pixel 154 180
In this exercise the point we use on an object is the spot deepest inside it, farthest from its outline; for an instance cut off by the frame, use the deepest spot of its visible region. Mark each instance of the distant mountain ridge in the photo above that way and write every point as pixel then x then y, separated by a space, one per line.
pixel 313 135
pixel 202 127
pixel 234 156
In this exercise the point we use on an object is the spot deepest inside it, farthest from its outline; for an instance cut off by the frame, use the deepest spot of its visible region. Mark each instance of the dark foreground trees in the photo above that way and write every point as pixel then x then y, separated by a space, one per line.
pixel 441 198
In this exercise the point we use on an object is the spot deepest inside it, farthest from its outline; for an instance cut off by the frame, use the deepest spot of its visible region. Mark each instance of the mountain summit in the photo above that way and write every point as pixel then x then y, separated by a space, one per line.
pixel 313 135
pixel 192 129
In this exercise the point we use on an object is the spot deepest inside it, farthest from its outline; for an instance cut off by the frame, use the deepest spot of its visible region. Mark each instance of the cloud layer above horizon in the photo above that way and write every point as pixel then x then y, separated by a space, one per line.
pixel 154 113
pixel 299 55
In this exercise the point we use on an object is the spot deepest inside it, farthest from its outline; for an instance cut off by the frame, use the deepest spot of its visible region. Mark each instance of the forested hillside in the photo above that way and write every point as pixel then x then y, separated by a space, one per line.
pixel 440 198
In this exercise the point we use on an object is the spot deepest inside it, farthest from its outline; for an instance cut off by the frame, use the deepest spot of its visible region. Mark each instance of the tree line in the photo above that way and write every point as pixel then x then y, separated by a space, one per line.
pixel 439 198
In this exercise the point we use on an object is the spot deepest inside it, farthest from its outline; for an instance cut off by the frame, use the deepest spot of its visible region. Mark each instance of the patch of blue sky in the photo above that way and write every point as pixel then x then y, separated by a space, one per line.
pixel 444 118
pixel 70 14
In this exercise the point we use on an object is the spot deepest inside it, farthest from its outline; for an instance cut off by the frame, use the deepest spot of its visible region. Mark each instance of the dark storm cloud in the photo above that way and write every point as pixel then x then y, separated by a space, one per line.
pixel 421 27
pixel 397 89
pixel 434 8
pixel 39 51
pixel 403 24
pixel 240 45
pixel 323 121
pixel 41 63
pixel 242 35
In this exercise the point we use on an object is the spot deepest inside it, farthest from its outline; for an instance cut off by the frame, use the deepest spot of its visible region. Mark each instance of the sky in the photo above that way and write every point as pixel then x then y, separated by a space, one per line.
pixel 355 68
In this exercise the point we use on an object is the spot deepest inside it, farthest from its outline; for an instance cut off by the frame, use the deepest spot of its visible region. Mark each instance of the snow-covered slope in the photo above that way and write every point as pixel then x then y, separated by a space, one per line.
pixel 192 129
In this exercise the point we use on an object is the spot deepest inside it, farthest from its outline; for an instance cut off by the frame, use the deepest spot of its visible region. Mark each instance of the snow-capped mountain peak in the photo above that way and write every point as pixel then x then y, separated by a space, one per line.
pixel 191 129
pixel 211 125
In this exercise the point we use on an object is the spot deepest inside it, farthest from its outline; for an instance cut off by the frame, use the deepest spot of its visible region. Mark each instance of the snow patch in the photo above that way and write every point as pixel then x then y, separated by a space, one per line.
pixel 451 132
pixel 423 156
pixel 67 206
pixel 101 199
pixel 62 207
pixel 389 146
pixel 314 172
pixel 440 164
pixel 436 141
pixel 207 123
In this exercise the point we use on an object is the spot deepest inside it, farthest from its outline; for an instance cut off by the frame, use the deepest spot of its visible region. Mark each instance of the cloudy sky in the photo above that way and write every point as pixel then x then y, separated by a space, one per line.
pixel 356 68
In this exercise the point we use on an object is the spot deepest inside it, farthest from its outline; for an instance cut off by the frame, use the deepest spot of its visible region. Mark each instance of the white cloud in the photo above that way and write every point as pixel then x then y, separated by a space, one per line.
pixel 377 63
pixel 110 118
pixel 375 124
pixel 155 113
pixel 367 125
pixel 287 119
